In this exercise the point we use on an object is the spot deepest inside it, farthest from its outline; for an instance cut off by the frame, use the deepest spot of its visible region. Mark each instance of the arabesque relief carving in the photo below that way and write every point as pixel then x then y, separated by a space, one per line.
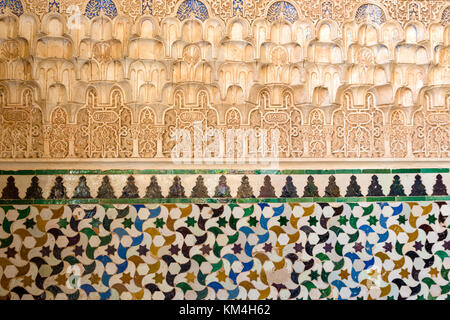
pixel 367 81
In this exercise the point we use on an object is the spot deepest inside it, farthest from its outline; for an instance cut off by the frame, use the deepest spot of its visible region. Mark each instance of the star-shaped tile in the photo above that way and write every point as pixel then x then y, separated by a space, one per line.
pixel 401 219
pixel 95 223
pixel 127 223
pixel 45 251
pixel 358 247
pixel 29 223
pixel 312 221
pixel 344 274
pixel 283 221
pixel 222 222
pixel 11 252
pixel 142 250
pixel 126 278
pixel 252 221
pixel 343 220
pixel 61 279
pixel 372 220
pixel 78 250
pixel 314 275
pixel 174 249
pixel 95 279
pixel 221 276
pixel 267 247
pixel 253 275
pixel 431 219
pixel 237 248
pixel 434 272
pixel 418 245
pixel 63 223
pixel 111 250
pixel 27 281
pixel 159 277
pixel 446 245
pixel 388 247
pixel 190 277
pixel 159 222
pixel 298 247
pixel 205 249
pixel 191 222
pixel 404 273
pixel 328 247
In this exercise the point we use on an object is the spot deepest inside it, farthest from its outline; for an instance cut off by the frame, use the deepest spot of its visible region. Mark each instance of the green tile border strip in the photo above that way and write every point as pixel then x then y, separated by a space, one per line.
pixel 223 200
pixel 221 171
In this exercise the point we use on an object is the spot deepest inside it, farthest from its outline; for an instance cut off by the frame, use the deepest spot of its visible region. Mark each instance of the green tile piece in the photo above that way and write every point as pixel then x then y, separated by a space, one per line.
pixel 147 171
pixel 54 201
pixel 435 170
pixel 438 198
pixel 116 171
pixel 406 170
pixel 18 172
pixel 77 172
pixel 16 201
pixel 247 200
pixel 417 198
pixel 108 201
pixel 380 199
pixel 348 171
pixel 270 200
pixel 267 171
pixel 306 199
pixel 376 171
pixel 351 199
pixel 51 172
pixel 325 199
pixel 320 171
pixel 83 201
pixel 293 171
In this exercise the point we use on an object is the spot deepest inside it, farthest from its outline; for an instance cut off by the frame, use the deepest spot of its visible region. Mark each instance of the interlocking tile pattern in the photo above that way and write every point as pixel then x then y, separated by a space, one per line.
pixel 378 250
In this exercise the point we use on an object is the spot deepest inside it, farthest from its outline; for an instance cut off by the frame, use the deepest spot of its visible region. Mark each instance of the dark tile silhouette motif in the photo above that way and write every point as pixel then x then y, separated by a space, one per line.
pixel 176 190
pixel 245 190
pixel 353 189
pixel 310 189
pixel 34 191
pixel 105 191
pixel 439 188
pixel 153 190
pixel 375 189
pixel 267 190
pixel 58 191
pixel 222 189
pixel 332 189
pixel 130 191
pixel 289 190
pixel 199 190
pixel 10 191
pixel 82 190
pixel 418 189
pixel 396 188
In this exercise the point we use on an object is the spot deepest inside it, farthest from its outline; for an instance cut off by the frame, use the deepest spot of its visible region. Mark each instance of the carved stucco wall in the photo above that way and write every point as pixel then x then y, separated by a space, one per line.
pixel 339 79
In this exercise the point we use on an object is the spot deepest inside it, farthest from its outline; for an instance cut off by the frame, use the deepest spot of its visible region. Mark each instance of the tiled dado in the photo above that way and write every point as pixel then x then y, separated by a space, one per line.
pixel 209 186
pixel 381 250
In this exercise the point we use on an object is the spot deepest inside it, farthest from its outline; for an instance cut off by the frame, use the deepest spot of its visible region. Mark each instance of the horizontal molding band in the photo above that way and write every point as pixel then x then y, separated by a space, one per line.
pixel 224 200
pixel 221 171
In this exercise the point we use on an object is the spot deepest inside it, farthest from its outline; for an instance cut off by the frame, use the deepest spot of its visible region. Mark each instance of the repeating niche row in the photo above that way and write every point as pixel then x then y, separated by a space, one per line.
pixel 222 190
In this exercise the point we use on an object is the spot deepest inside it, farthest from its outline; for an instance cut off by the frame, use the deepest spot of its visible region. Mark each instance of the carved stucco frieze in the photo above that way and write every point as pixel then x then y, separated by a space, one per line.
pixel 343 79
